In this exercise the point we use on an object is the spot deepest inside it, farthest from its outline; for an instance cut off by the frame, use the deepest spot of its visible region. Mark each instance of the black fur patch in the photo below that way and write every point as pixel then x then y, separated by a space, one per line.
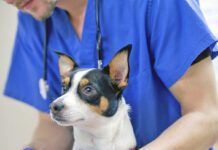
pixel 99 85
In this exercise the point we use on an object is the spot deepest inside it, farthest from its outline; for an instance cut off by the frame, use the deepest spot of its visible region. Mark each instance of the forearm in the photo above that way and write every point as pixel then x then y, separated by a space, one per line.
pixel 216 144
pixel 197 129
pixel 49 136
pixel 193 131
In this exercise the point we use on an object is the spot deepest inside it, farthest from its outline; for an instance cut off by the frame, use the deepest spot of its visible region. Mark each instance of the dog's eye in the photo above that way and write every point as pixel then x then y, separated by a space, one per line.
pixel 89 90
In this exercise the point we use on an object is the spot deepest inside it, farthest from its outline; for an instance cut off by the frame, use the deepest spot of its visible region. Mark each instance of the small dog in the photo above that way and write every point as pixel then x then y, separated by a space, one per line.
pixel 93 104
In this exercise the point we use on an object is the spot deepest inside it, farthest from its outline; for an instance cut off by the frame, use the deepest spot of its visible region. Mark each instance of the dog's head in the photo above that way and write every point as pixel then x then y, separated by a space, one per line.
pixel 90 95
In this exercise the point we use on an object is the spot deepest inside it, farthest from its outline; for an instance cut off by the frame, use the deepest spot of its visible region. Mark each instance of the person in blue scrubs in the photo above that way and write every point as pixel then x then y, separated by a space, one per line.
pixel 173 101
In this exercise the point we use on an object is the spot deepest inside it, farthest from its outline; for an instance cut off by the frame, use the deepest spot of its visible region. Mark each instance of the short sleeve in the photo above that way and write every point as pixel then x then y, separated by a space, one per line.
pixel 178 34
pixel 27 64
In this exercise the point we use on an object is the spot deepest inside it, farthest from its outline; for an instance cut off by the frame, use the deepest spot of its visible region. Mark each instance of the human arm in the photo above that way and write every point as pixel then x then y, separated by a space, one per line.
pixel 216 145
pixel 197 129
pixel 49 136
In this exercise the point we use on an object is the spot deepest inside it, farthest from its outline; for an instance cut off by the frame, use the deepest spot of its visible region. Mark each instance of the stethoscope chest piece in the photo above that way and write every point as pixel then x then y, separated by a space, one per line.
pixel 43 88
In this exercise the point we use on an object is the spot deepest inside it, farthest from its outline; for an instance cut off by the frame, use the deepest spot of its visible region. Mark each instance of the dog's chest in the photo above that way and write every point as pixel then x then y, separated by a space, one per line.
pixel 119 138
pixel 86 141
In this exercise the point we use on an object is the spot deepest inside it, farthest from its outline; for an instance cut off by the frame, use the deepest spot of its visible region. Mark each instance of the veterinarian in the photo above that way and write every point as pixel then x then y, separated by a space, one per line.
pixel 171 87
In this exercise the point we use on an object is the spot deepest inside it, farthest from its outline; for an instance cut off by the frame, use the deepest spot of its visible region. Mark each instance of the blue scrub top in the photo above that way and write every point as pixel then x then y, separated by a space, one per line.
pixel 166 37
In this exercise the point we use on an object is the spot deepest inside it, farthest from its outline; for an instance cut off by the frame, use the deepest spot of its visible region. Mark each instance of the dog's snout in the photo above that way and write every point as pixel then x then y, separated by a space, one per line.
pixel 56 107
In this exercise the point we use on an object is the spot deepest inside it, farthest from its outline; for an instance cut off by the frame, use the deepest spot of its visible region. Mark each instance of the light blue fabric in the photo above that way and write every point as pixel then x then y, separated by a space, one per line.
pixel 166 37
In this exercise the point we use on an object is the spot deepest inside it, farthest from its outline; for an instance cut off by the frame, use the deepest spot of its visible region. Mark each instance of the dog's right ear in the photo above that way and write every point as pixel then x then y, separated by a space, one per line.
pixel 118 68
pixel 66 64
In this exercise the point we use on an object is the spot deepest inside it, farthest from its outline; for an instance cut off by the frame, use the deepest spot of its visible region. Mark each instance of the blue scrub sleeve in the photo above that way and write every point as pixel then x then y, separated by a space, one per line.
pixel 27 65
pixel 178 34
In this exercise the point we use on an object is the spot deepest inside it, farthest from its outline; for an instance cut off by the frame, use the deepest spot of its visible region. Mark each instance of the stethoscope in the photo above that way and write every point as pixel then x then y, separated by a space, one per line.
pixel 43 85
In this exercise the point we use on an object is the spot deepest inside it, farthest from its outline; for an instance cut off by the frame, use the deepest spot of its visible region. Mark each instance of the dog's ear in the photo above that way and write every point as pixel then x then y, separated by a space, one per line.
pixel 118 68
pixel 66 64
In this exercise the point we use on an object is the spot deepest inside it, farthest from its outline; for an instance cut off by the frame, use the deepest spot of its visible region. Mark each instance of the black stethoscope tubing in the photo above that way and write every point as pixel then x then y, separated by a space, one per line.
pixel 45 51
pixel 98 36
pixel 98 43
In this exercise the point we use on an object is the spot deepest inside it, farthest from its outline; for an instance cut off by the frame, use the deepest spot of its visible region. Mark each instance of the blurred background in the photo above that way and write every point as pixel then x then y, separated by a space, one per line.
pixel 18 120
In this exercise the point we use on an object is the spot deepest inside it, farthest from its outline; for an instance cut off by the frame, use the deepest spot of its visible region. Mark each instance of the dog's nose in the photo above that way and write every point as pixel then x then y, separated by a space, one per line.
pixel 56 107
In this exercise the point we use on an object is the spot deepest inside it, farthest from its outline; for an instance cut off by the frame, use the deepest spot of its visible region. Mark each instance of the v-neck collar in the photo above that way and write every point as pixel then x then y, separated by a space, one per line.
pixel 115 34
pixel 86 17
pixel 65 39
pixel 85 29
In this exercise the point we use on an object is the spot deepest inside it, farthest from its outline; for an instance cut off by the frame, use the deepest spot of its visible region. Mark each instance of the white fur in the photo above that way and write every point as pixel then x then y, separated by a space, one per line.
pixel 113 133
pixel 91 130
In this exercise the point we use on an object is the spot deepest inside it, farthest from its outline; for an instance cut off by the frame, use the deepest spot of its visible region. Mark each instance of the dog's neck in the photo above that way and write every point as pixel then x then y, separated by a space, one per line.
pixel 117 133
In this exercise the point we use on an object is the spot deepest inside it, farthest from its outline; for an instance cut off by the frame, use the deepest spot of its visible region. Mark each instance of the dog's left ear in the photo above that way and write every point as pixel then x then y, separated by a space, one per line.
pixel 118 69
pixel 66 64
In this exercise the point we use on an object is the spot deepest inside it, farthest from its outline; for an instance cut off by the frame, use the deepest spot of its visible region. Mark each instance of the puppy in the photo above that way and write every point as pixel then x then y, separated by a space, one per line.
pixel 93 104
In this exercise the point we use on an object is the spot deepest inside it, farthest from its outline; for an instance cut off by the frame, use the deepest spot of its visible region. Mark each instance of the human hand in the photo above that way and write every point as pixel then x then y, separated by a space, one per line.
pixel 28 148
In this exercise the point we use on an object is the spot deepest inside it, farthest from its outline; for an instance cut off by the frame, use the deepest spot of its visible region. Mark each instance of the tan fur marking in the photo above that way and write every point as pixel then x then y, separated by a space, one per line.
pixel 96 109
pixel 83 82
pixel 103 103
pixel 123 84
pixel 65 80
pixel 102 106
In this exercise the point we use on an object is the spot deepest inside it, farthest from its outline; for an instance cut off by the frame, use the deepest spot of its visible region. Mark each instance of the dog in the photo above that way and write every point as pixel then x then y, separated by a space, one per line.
pixel 93 104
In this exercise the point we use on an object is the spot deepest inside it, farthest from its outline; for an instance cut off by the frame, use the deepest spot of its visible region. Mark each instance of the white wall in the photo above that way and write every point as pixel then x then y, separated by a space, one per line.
pixel 17 120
